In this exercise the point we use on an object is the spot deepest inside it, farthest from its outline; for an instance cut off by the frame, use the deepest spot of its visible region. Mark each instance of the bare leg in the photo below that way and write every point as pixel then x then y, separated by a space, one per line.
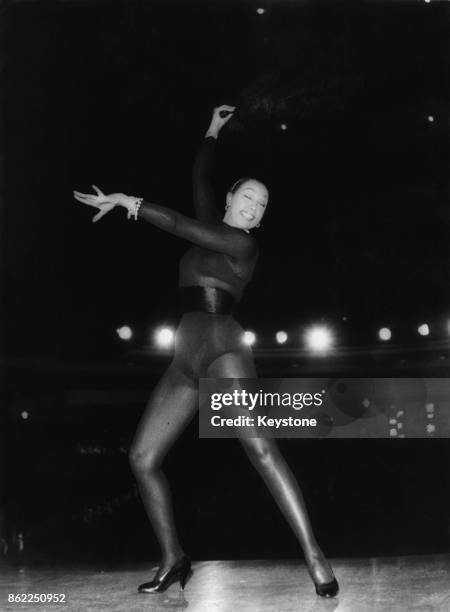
pixel 170 408
pixel 267 459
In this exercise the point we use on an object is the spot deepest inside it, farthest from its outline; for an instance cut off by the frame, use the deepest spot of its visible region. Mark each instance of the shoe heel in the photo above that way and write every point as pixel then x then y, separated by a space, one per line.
pixel 184 577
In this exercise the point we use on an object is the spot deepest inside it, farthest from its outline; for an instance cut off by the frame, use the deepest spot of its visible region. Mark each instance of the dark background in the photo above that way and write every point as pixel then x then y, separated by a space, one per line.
pixel 119 94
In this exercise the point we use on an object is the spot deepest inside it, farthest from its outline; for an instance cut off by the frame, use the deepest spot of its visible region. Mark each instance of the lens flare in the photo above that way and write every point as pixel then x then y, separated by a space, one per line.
pixel 423 329
pixel 319 339
pixel 124 332
pixel 281 337
pixel 385 334
pixel 164 337
pixel 249 338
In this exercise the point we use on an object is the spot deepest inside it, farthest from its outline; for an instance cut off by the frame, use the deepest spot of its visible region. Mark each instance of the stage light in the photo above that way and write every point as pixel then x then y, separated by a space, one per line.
pixel 260 11
pixel 24 415
pixel 281 337
pixel 427 1
pixel 319 339
pixel 283 127
pixel 124 332
pixel 423 329
pixel 385 334
pixel 164 337
pixel 430 118
pixel 249 338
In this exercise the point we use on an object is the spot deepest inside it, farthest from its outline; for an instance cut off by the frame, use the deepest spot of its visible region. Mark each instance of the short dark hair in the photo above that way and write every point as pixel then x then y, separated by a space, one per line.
pixel 235 186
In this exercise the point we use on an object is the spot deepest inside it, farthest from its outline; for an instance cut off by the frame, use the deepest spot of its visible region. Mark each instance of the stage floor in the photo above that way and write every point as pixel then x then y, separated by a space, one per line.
pixel 385 584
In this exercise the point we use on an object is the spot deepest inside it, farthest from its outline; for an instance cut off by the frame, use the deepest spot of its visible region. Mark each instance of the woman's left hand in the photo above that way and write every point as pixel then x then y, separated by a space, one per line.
pixel 221 115
pixel 104 202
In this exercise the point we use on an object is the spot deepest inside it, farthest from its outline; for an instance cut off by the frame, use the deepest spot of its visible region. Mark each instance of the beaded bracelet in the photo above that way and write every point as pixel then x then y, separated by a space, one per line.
pixel 134 209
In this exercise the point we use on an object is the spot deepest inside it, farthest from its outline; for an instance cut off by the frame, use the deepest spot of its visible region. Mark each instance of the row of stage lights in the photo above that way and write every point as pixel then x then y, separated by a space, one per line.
pixel 317 338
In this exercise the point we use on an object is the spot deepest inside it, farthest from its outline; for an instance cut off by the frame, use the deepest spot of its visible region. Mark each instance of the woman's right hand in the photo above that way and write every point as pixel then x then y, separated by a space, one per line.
pixel 221 115
pixel 103 202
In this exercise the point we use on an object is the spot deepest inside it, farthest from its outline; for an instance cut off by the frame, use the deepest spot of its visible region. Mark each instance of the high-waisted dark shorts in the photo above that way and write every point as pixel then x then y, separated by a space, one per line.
pixel 202 337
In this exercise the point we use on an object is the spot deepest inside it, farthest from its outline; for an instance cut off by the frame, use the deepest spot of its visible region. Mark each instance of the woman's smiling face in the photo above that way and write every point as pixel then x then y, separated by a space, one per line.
pixel 246 206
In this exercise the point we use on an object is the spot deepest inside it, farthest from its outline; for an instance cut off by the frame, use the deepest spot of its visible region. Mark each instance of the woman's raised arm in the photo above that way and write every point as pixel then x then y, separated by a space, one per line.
pixel 203 192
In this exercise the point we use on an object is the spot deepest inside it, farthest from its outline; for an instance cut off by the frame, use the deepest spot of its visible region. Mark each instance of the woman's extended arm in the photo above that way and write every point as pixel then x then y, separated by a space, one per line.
pixel 203 192
pixel 214 236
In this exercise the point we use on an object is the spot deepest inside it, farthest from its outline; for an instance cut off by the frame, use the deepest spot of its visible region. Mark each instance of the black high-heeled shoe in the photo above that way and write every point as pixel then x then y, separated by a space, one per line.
pixel 327 589
pixel 324 589
pixel 181 571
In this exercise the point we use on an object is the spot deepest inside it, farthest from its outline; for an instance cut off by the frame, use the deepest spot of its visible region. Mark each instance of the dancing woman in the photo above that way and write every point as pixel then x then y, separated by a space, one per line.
pixel 208 343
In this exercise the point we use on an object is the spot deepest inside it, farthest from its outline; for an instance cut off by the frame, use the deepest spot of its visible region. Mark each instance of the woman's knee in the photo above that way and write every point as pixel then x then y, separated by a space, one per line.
pixel 233 364
pixel 142 462
pixel 260 451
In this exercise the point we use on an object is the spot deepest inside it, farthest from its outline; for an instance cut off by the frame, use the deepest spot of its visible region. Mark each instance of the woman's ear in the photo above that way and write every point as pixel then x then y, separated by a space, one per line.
pixel 228 199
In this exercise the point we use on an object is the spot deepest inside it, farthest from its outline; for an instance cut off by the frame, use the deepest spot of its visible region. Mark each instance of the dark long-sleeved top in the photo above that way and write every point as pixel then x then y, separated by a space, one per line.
pixel 223 256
